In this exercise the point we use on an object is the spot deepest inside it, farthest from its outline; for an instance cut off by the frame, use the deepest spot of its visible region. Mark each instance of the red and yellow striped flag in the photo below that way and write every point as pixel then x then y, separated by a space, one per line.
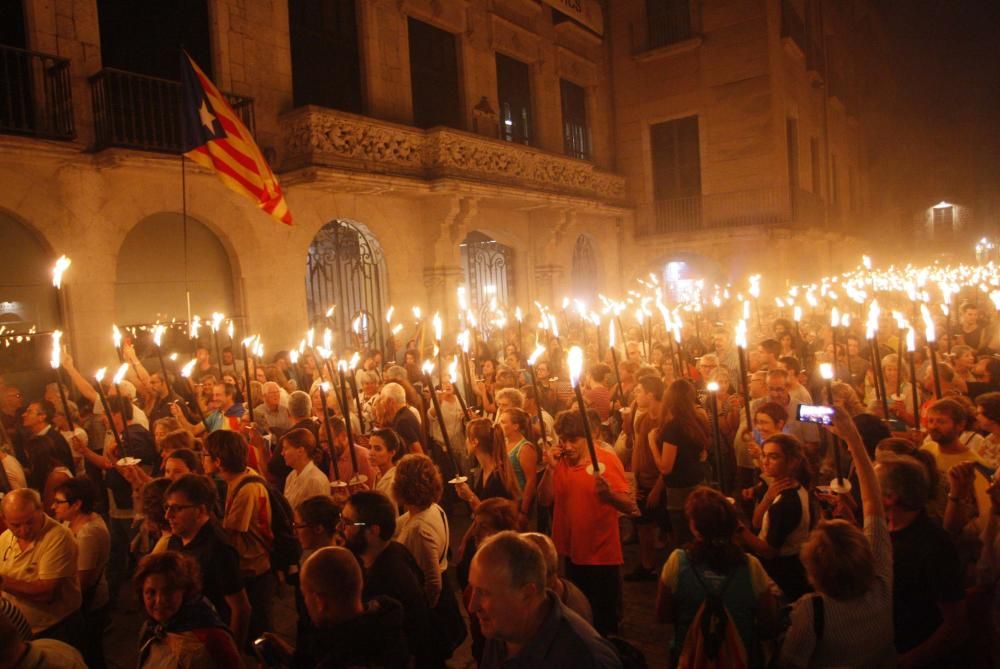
pixel 215 137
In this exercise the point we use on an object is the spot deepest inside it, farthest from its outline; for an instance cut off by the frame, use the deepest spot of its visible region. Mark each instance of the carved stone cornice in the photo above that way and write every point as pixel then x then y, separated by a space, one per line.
pixel 315 136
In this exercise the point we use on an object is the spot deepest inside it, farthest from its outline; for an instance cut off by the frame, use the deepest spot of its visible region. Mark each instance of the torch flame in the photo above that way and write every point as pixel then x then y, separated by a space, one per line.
pixel 427 367
pixel 911 340
pixel 116 336
pixel 929 333
pixel 611 333
pixel 797 313
pixel 158 331
pixel 712 387
pixel 293 355
pixel 416 313
pixel 453 371
pixel 388 314
pixel 99 374
pixel 741 333
pixel 575 361
pixel 185 370
pixel 438 326
pixel 536 354
pixel 873 314
pixel 62 264
pixel 355 359
pixel 56 349
pixel 826 370
pixel 120 374
pixel 518 315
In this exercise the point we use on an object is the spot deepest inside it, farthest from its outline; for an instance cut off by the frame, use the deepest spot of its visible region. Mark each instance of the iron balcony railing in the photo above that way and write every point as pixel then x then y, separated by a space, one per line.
pixel 35 94
pixel 136 111
pixel 765 206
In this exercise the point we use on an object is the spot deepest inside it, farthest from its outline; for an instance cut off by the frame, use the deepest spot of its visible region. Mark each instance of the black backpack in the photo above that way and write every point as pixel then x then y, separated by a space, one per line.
pixel 285 550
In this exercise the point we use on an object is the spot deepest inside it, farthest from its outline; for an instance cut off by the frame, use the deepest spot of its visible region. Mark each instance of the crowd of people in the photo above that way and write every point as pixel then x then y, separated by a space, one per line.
pixel 867 541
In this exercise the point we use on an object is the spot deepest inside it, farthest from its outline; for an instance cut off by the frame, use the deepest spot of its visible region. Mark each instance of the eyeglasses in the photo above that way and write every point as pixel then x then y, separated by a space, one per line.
pixel 170 509
pixel 60 501
pixel 300 526
pixel 343 522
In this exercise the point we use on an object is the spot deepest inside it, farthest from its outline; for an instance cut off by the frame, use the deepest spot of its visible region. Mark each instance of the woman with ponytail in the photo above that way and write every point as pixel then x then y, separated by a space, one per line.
pixel 494 476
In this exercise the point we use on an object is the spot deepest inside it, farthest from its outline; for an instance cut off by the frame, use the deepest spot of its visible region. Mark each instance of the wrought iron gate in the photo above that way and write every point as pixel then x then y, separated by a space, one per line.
pixel 346 271
pixel 488 269
pixel 584 274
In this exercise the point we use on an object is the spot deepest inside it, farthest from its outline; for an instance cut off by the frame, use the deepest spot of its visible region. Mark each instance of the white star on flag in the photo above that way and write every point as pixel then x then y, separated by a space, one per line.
pixel 207 119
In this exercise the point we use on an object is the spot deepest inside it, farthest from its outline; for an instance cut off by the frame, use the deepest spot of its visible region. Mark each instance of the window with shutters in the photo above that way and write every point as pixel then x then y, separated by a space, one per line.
pixel 514 94
pixel 676 159
pixel 326 65
pixel 576 134
pixel 434 76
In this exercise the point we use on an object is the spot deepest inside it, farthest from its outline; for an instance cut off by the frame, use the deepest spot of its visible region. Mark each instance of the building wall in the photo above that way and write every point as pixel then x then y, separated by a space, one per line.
pixel 419 193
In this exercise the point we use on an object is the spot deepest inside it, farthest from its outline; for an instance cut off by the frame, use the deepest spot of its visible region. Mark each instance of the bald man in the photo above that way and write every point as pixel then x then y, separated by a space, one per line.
pixel 521 619
pixel 352 632
pixel 38 568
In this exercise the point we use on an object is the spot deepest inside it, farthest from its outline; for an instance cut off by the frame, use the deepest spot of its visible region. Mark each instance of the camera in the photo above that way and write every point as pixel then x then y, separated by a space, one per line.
pixel 815 413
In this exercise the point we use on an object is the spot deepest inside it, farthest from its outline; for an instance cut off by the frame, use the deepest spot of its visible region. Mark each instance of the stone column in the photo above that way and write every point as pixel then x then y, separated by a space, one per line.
pixel 451 217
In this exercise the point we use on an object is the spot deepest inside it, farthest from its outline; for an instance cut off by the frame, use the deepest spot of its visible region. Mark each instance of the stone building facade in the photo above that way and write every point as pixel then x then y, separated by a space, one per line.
pixel 547 177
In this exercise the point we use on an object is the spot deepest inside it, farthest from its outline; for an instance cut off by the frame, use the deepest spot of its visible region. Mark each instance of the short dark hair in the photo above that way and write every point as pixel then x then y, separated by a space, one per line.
pixel 952 409
pixel 196 488
pixel 791 361
pixel 320 511
pixel 569 425
pixel 990 405
pixel 187 456
pixel 599 372
pixel 79 489
pixel 48 409
pixel 772 346
pixel 774 411
pixel 229 448
pixel 375 510
pixel 653 384
pixel 151 500
pixel 180 571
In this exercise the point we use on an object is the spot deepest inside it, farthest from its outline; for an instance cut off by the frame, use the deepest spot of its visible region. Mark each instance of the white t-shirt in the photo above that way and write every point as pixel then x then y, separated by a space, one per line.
pixel 15 472
pixel 309 483
pixel 94 544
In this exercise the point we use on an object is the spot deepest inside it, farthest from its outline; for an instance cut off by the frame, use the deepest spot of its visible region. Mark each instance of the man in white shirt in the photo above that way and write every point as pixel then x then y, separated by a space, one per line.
pixel 305 480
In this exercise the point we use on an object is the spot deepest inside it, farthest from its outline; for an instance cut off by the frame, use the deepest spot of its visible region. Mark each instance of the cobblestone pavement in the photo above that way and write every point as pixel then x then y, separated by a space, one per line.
pixel 638 625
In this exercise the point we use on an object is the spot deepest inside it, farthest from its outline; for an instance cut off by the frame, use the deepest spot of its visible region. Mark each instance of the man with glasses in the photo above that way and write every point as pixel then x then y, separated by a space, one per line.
pixel 38 565
pixel 777 391
pixel 37 422
pixel 368 522
pixel 188 508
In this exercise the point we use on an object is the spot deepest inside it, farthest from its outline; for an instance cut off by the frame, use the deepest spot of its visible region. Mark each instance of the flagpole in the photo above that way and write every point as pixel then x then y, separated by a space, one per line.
pixel 184 216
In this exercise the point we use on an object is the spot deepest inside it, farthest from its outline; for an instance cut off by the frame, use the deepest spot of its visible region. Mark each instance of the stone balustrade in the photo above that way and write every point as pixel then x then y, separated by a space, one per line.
pixel 320 137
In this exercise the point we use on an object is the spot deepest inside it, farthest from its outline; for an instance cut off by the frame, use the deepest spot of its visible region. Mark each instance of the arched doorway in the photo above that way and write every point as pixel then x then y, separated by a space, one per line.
pixel 159 264
pixel 489 274
pixel 28 301
pixel 345 270
pixel 584 279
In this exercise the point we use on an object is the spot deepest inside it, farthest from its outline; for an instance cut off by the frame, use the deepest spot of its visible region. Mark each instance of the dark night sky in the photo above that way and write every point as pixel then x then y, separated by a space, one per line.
pixel 942 115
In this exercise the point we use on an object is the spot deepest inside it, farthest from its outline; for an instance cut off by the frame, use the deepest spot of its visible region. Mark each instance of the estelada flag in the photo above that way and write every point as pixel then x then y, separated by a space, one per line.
pixel 215 137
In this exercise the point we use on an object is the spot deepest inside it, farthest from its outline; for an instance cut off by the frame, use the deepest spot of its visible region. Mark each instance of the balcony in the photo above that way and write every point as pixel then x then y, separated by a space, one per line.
pixel 135 111
pixel 316 136
pixel 35 95
pixel 717 211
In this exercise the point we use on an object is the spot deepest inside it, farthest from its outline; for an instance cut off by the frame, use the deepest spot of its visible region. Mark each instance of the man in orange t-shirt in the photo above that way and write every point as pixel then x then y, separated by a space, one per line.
pixel 585 518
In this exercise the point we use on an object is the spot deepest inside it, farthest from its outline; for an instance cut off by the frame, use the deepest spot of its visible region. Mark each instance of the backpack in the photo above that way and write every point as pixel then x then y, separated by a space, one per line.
pixel 285 550
pixel 712 640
